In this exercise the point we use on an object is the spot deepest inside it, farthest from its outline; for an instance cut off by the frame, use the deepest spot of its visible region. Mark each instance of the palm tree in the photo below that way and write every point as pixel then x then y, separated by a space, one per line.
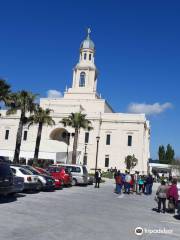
pixel 4 91
pixel 41 117
pixel 76 121
pixel 24 102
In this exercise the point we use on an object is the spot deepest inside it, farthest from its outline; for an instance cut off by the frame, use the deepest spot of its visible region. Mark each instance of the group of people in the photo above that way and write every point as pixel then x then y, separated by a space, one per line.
pixel 127 183
pixel 167 192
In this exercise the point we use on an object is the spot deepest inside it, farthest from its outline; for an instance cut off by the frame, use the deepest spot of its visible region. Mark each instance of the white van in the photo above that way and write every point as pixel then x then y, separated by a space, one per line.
pixel 79 173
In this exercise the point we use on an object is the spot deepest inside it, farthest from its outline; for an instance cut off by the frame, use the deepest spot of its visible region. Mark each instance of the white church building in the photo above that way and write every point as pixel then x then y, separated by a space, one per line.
pixel 119 134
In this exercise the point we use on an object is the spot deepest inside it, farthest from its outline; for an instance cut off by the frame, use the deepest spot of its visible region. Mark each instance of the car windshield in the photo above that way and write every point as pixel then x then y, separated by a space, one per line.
pixel 55 169
pixel 35 172
pixel 67 171
pixel 45 172
pixel 51 169
pixel 24 171
pixel 5 170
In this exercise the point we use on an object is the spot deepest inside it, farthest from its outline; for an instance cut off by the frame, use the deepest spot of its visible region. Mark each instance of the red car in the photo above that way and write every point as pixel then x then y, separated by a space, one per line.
pixel 58 182
pixel 62 174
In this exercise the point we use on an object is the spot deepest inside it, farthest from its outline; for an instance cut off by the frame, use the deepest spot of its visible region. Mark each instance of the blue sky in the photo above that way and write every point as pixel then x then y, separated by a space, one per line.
pixel 137 53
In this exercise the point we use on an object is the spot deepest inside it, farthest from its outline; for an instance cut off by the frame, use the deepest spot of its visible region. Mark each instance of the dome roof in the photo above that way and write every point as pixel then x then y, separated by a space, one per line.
pixel 87 43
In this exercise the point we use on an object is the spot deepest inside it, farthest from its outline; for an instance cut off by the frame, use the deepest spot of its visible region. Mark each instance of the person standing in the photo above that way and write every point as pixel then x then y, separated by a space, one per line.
pixel 141 184
pixel 118 180
pixel 115 173
pixel 172 195
pixel 149 184
pixel 97 178
pixel 144 185
pixel 162 194
pixel 132 183
pixel 136 179
pixel 127 183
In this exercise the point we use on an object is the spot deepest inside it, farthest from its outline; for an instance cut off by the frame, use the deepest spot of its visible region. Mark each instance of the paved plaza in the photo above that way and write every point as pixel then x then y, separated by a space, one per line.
pixel 83 213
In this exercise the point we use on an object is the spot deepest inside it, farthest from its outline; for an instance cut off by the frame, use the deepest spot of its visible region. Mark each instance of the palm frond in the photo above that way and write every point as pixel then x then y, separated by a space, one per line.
pixel 42 116
pixel 77 121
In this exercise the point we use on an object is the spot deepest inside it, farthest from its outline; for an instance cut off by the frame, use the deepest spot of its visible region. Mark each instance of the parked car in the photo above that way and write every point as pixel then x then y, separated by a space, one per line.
pixel 62 174
pixel 58 182
pixel 6 179
pixel 90 180
pixel 79 173
pixel 30 180
pixel 44 182
pixel 18 183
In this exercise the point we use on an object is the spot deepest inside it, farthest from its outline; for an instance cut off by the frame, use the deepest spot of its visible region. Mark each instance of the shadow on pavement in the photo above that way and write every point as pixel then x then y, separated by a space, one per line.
pixel 177 217
pixel 11 198
pixel 31 192
pixel 7 199
pixel 155 209
pixel 20 195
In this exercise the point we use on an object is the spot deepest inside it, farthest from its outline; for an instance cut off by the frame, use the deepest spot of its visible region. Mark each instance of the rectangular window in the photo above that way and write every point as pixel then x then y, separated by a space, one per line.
pixel 129 140
pixel 89 57
pixel 86 137
pixel 107 161
pixel 25 136
pixel 108 139
pixel 6 134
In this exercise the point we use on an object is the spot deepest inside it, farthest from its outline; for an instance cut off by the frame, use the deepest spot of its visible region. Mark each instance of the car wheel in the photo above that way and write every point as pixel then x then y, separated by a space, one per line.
pixel 74 182
pixel 13 194
pixel 39 186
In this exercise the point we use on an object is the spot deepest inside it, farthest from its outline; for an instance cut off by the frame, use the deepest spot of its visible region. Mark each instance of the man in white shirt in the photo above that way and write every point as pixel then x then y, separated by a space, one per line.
pixel 127 182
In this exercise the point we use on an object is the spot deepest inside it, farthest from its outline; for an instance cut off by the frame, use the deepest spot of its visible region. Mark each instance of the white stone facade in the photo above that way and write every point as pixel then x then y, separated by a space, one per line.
pixel 114 129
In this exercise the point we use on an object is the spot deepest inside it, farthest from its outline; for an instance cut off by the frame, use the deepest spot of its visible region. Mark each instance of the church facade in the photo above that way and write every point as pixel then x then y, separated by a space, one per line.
pixel 116 135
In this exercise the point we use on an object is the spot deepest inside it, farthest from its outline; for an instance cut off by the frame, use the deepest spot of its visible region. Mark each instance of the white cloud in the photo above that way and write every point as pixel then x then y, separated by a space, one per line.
pixel 149 109
pixel 54 94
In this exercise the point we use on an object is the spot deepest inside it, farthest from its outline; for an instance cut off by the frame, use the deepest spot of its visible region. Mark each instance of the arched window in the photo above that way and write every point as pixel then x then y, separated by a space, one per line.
pixel 82 79
pixel 85 55
pixel 89 57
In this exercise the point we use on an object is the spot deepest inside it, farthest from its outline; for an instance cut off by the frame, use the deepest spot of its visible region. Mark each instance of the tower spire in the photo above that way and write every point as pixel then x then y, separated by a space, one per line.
pixel 88 33
pixel 85 72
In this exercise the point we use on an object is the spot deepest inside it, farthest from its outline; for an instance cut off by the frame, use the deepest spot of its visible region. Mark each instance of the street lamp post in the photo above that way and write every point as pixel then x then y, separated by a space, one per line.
pixel 97 150
pixel 68 142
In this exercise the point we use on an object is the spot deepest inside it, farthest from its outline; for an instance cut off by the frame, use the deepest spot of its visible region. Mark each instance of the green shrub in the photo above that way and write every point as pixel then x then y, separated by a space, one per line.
pixel 108 175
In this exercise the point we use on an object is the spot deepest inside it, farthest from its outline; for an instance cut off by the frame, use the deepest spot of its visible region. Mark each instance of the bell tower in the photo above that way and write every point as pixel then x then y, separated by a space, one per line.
pixel 85 73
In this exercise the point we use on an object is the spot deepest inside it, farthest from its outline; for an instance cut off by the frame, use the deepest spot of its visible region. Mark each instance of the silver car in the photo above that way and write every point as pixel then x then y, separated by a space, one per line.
pixel 79 173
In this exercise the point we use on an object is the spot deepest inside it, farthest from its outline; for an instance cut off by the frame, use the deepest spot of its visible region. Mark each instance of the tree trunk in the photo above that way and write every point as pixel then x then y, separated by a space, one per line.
pixel 74 153
pixel 18 139
pixel 38 140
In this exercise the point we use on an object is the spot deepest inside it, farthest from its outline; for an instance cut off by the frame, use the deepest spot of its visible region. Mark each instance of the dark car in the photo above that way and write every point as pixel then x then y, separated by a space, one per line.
pixel 6 179
pixel 18 183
